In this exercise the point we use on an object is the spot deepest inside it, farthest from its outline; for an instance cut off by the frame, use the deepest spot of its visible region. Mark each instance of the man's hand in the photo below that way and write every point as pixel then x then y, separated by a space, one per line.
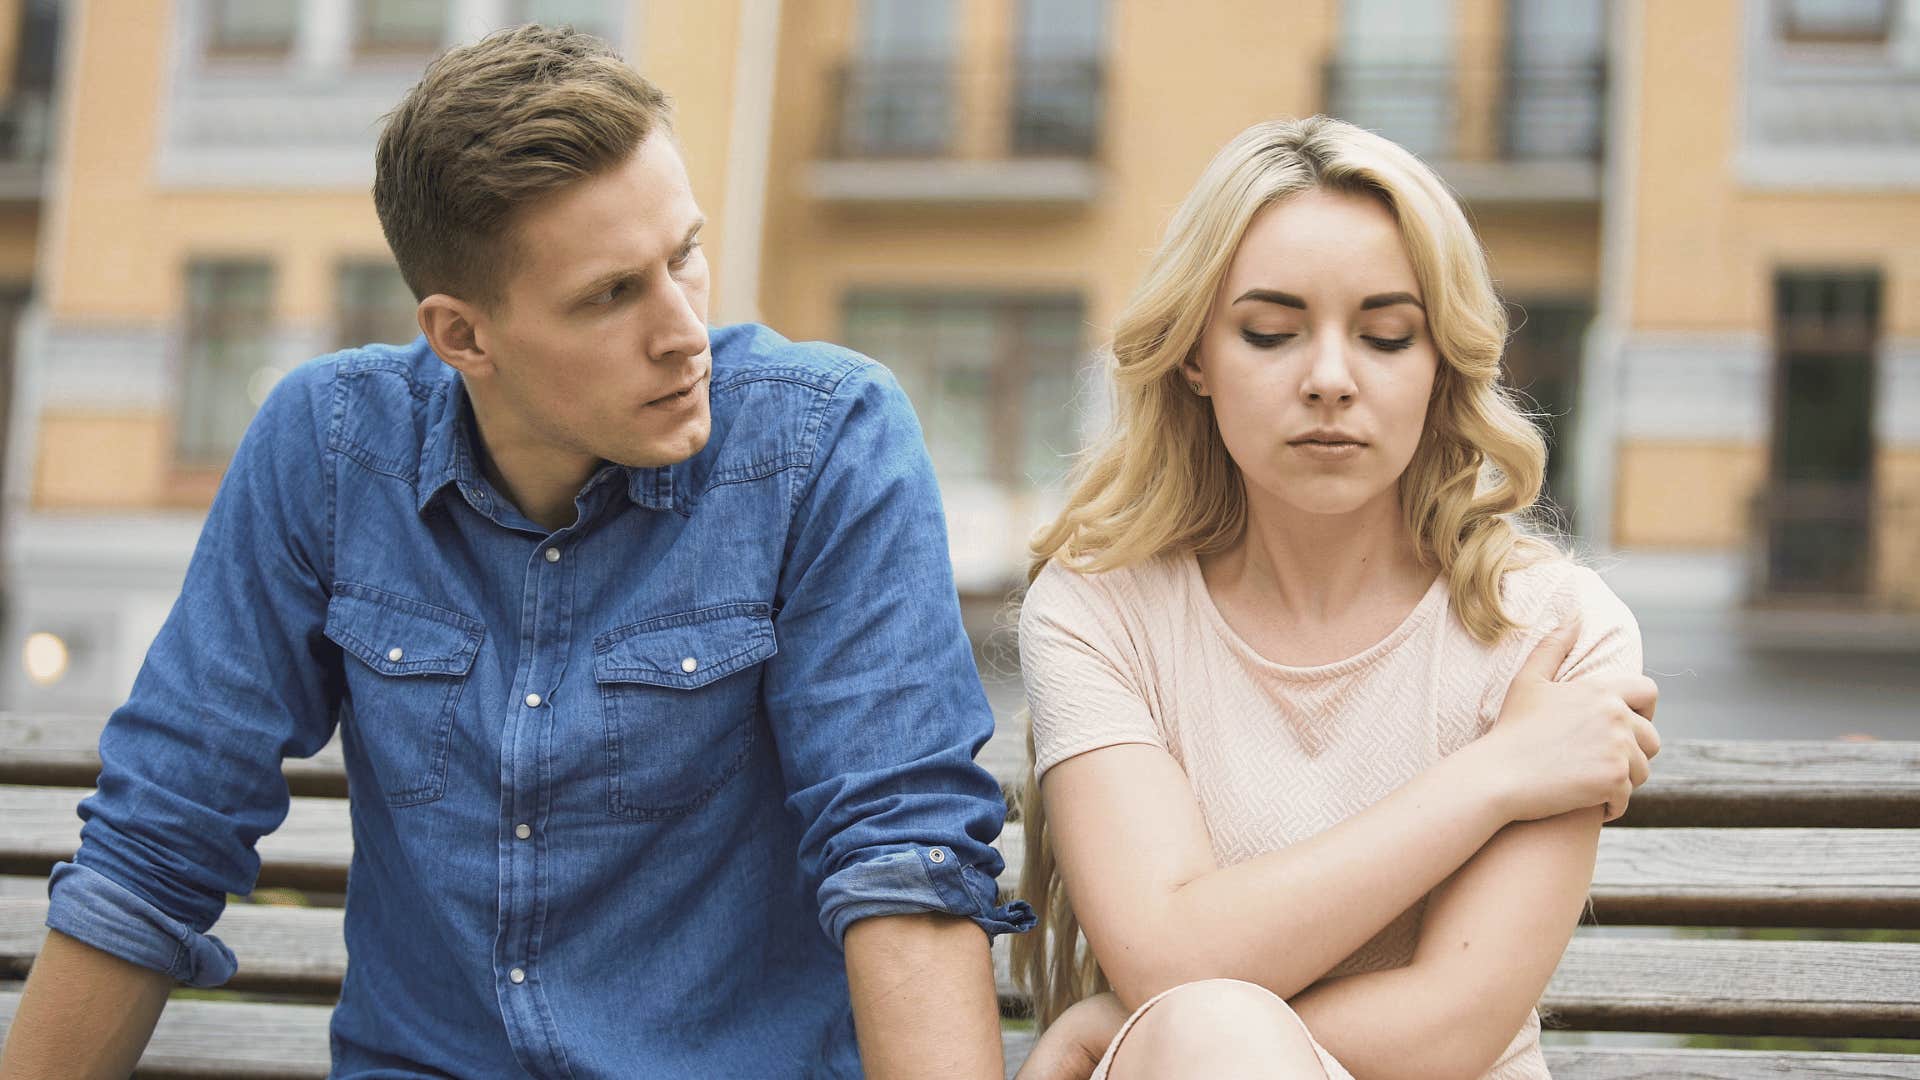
pixel 924 1003
pixel 1073 1045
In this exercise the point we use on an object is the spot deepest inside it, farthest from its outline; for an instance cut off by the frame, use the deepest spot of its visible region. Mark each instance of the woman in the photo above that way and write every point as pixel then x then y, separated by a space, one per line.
pixel 1322 741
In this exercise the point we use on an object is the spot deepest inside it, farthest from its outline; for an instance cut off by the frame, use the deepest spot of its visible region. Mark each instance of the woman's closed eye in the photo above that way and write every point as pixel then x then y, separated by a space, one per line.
pixel 1265 341
pixel 1390 344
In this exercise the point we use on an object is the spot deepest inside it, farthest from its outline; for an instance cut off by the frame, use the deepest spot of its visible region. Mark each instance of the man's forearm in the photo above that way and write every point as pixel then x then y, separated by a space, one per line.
pixel 84 1013
pixel 924 1003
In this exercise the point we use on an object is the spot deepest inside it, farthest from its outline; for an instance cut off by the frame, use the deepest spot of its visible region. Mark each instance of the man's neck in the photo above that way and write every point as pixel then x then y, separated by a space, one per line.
pixel 539 479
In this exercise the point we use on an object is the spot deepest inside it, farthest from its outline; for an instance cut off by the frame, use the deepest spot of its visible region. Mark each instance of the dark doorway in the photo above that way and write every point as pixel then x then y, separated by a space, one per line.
pixel 1543 363
pixel 1817 511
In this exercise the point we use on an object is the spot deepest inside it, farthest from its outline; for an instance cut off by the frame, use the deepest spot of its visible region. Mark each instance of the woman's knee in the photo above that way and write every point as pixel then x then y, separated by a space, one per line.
pixel 1230 1027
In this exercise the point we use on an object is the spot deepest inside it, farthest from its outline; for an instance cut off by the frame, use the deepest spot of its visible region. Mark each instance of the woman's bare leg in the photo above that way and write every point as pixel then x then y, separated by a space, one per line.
pixel 1220 1028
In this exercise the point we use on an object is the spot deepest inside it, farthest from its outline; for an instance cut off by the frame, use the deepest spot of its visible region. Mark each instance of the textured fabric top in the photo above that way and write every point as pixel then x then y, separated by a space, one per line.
pixel 1277 753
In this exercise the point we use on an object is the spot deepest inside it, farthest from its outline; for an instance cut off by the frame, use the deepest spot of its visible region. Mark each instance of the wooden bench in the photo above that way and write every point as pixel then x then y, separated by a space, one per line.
pixel 1729 834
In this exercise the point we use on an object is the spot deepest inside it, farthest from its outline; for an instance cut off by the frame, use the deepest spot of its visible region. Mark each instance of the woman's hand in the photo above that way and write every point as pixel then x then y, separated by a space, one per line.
pixel 1071 1047
pixel 1562 746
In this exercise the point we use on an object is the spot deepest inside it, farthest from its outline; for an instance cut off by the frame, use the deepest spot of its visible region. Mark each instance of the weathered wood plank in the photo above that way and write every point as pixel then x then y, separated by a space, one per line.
pixel 1597 1063
pixel 63 751
pixel 1840 988
pixel 1704 783
pixel 310 850
pixel 1835 988
pixel 1786 783
pixel 1759 877
pixel 1727 877
pixel 228 1039
pixel 291 950
pixel 1709 877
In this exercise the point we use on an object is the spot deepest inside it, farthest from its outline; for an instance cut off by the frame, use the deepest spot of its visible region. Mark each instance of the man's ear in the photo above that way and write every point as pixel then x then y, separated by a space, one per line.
pixel 452 327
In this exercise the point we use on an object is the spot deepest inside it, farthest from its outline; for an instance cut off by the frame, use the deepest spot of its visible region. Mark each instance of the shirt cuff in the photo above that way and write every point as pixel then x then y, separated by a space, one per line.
pixel 95 910
pixel 913 881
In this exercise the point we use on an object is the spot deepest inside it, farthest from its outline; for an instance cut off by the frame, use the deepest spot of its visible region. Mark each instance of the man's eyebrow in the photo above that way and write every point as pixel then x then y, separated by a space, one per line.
pixel 626 273
pixel 1390 299
pixel 1272 296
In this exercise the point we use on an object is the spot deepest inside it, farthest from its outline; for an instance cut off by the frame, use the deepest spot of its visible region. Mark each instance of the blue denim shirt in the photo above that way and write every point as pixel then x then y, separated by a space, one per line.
pixel 732 705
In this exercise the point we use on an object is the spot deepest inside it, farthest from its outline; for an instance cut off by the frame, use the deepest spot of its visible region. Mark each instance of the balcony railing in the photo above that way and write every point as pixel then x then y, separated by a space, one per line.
pixel 1821 542
pixel 935 109
pixel 1538 112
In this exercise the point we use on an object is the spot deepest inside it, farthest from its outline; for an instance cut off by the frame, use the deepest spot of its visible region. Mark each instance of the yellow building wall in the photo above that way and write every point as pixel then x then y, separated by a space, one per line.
pixel 1705 249
pixel 1686 495
pixel 1705 245
pixel 1169 105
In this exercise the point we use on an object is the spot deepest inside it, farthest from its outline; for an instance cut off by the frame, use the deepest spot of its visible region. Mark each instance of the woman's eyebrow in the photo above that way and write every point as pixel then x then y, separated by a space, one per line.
pixel 1389 299
pixel 1272 296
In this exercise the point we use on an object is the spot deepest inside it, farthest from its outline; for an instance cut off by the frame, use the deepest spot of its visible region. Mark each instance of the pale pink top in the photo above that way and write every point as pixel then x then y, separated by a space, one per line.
pixel 1275 753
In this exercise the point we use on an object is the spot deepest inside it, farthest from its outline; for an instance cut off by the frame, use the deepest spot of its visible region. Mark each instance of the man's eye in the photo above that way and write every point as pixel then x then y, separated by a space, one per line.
pixel 607 295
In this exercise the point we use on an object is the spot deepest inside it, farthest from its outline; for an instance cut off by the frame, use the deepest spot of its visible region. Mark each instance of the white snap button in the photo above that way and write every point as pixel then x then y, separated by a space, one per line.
pixel 553 554
pixel 522 831
pixel 533 701
pixel 689 664
pixel 394 654
pixel 938 855
pixel 517 976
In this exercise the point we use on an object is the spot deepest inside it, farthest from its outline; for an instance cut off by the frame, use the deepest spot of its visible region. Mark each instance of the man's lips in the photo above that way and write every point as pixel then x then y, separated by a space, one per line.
pixel 676 395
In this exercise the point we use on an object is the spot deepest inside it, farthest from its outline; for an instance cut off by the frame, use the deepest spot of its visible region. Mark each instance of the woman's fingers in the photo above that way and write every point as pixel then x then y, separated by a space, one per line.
pixel 1648 736
pixel 1637 767
pixel 1551 654
pixel 1641 694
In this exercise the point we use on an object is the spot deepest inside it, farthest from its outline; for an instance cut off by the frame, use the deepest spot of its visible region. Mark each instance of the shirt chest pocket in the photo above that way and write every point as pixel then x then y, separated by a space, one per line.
pixel 408 662
pixel 679 698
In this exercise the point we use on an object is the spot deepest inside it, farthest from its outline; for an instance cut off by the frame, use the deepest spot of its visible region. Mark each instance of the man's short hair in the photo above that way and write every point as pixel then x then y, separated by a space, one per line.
pixel 490 128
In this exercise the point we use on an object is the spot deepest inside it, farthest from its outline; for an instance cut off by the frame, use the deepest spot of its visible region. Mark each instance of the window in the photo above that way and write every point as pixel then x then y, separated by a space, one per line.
pixel 261 28
pixel 1836 22
pixel 992 378
pixel 1819 503
pixel 1056 98
pixel 897 96
pixel 403 27
pixel 596 17
pixel 229 361
pixel 1394 72
pixel 373 304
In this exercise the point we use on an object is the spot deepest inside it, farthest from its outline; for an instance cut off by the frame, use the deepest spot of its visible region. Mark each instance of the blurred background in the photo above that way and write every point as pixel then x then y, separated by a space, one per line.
pixel 1705 215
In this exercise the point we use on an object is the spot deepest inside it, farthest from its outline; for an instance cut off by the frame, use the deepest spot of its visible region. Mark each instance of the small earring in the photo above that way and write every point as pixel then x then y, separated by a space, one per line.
pixel 1195 386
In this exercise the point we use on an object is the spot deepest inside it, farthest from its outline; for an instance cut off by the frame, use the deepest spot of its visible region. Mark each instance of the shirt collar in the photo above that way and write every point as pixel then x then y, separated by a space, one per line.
pixel 447 457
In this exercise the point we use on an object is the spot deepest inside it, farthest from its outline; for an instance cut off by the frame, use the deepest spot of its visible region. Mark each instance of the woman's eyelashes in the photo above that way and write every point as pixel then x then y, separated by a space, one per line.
pixel 1269 341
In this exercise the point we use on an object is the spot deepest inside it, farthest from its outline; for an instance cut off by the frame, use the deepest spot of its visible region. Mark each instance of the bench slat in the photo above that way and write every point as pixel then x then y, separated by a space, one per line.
pixel 1598 1063
pixel 310 850
pixel 228 1039
pixel 1728 877
pixel 1838 988
pixel 1708 783
pixel 1705 877
pixel 64 751
pixel 1841 988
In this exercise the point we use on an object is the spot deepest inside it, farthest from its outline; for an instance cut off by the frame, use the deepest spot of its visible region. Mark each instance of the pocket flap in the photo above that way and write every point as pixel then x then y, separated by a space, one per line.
pixel 688 650
pixel 395 635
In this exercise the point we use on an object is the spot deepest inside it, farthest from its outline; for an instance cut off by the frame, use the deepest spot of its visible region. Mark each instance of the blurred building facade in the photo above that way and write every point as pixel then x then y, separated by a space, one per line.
pixel 1704 215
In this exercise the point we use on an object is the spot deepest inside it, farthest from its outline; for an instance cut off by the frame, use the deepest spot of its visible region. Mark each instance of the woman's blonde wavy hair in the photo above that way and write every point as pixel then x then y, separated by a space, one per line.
pixel 1161 480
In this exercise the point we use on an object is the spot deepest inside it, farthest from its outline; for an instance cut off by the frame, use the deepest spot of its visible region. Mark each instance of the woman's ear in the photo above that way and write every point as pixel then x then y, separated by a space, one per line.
pixel 1196 379
pixel 452 328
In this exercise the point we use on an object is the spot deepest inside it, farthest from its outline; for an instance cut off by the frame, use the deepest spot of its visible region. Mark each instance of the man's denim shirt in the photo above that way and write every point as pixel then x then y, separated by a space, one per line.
pixel 617 790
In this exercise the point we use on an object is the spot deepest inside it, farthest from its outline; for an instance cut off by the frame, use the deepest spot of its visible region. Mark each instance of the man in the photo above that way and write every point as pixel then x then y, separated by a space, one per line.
pixel 643 647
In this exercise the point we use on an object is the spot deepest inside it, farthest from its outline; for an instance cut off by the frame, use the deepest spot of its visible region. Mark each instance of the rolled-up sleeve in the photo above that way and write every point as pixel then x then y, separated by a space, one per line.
pixel 239 678
pixel 873 697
